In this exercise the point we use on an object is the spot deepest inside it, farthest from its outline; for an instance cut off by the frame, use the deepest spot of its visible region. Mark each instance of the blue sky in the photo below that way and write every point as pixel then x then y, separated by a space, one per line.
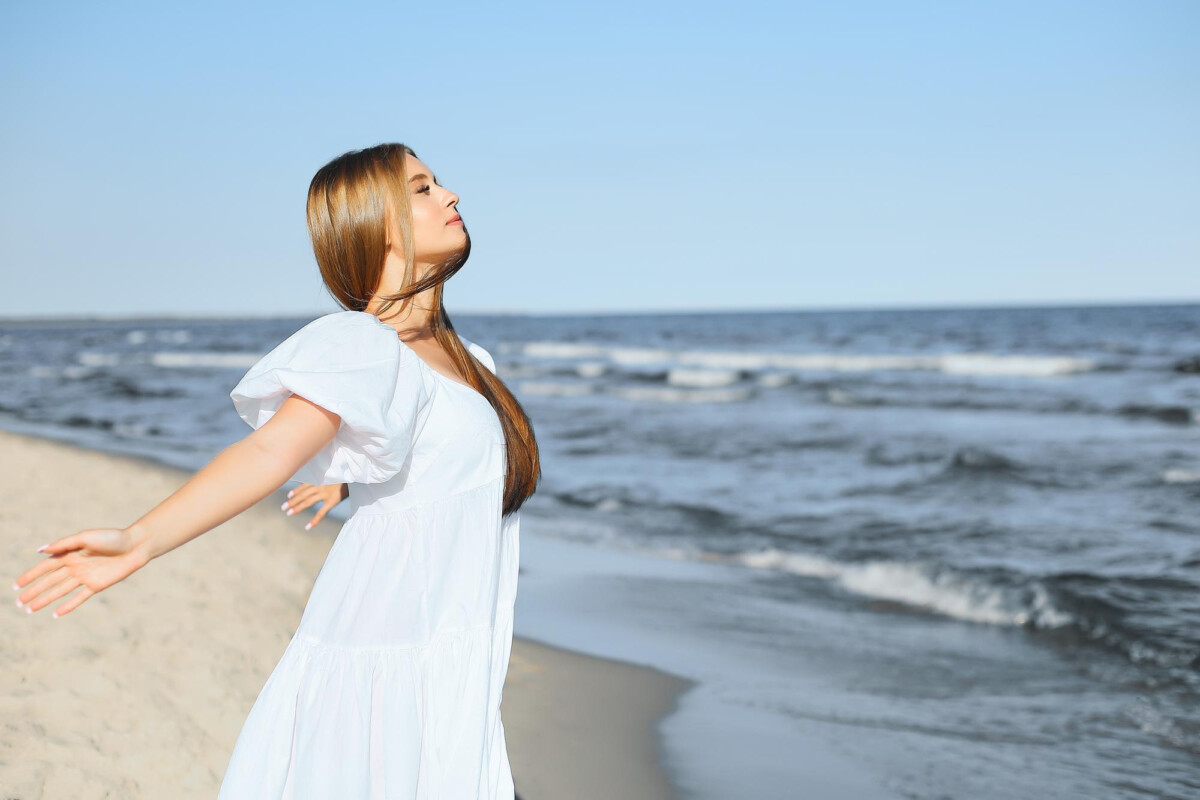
pixel 620 156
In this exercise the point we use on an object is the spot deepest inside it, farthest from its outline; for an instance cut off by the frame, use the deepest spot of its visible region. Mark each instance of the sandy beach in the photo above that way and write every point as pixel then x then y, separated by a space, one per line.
pixel 141 692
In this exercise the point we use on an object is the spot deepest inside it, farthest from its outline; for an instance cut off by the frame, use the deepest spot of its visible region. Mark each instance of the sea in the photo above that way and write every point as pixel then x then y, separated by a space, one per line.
pixel 901 553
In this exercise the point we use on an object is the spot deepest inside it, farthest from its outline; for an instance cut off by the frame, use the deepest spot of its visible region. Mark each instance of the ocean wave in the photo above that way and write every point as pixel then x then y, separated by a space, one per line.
pixel 863 398
pixel 969 464
pixel 1180 476
pixel 1067 603
pixel 670 394
pixel 752 361
pixel 204 359
pixel 554 388
pixel 921 586
pixel 1176 415
pixel 878 455
pixel 591 369
pixel 703 378
pixel 773 380
pixel 1190 365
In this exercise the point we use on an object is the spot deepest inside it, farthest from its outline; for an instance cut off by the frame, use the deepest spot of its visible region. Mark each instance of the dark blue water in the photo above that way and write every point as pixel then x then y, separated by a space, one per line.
pixel 976 528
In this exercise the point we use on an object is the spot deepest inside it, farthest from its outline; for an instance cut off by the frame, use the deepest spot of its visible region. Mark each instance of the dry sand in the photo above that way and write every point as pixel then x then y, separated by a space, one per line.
pixel 141 691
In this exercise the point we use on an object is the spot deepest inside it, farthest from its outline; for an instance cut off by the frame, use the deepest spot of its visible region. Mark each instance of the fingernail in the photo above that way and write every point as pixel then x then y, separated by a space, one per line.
pixel 291 511
pixel 308 526
pixel 290 494
pixel 43 547
pixel 283 507
pixel 15 587
pixel 18 602
pixel 55 615
pixel 28 610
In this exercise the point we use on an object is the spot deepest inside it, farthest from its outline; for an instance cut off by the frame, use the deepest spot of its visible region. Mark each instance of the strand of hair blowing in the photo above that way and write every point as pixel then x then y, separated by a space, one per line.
pixel 349 203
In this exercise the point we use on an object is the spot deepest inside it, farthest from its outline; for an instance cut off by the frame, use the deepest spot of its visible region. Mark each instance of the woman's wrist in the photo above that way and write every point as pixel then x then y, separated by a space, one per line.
pixel 143 549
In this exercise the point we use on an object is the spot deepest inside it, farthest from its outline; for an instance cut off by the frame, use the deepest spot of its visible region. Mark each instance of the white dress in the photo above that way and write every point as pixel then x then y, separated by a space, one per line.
pixel 390 688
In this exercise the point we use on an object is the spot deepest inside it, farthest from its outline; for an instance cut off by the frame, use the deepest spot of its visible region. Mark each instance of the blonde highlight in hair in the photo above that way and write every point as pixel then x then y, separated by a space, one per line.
pixel 350 202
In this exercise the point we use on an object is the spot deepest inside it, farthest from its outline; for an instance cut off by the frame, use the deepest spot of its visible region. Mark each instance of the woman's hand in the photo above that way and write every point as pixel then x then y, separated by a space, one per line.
pixel 90 560
pixel 306 495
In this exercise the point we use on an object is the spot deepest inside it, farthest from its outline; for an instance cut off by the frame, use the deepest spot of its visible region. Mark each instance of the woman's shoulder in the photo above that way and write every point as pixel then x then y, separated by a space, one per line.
pixel 340 338
pixel 365 337
pixel 357 321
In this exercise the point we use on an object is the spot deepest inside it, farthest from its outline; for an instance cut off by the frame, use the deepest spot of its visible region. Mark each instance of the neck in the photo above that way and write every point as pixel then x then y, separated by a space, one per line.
pixel 411 315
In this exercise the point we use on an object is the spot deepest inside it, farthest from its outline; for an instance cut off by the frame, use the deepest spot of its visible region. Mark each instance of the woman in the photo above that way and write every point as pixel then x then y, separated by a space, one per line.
pixel 391 686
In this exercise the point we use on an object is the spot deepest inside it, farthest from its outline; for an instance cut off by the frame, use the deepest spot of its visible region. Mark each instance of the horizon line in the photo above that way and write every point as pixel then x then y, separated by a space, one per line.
pixel 478 311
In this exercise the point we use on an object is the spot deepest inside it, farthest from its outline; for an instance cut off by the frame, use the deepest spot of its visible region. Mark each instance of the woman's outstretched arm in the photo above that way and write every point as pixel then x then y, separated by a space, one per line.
pixel 238 477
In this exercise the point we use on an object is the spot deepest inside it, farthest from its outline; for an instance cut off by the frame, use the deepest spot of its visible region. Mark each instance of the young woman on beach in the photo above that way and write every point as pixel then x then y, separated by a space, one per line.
pixel 390 688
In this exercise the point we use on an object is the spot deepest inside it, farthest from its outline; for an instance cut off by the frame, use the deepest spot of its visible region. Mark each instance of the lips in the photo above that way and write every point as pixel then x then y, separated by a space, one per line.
pixel 454 219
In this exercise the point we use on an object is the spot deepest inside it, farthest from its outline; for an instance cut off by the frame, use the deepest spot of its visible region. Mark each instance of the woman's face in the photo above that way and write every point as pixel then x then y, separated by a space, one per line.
pixel 438 233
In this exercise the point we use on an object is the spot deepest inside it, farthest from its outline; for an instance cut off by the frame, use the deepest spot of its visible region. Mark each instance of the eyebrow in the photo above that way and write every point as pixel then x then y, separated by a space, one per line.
pixel 421 175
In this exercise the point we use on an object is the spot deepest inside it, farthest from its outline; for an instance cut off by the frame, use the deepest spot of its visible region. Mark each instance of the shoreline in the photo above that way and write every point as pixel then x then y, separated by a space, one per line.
pixel 148 700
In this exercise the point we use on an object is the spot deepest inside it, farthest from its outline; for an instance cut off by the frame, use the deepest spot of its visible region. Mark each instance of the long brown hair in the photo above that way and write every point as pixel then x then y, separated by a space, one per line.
pixel 349 203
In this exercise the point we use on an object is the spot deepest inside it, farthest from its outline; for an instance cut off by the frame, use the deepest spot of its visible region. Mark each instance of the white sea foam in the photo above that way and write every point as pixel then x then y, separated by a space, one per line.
pixel 702 377
pixel 773 380
pixel 840 397
pixel 637 355
pixel 174 337
pixel 72 371
pixel 1180 476
pixel 562 350
pixel 670 394
pixel 987 364
pixel 591 369
pixel 200 359
pixel 98 359
pixel 554 388
pixel 915 585
pixel 949 363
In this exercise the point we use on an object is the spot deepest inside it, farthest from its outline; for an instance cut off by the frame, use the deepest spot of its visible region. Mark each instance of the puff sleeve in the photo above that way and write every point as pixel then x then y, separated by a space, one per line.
pixel 483 355
pixel 354 365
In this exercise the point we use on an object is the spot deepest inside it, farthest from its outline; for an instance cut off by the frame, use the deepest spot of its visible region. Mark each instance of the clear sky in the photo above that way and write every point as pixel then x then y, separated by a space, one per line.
pixel 614 156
